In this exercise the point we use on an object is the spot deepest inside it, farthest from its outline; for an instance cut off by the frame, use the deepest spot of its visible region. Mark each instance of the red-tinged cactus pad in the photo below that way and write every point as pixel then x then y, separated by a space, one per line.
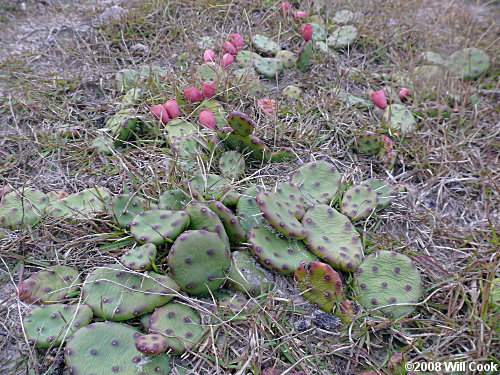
pixel 80 205
pixel 232 226
pixel 320 285
pixel 115 293
pixel 23 207
pixel 49 286
pixel 280 215
pixel 359 202
pixel 319 182
pixel 283 255
pixel 179 324
pixel 241 123
pixel 292 197
pixel 232 165
pixel 246 276
pixel 199 261
pixel 248 210
pixel 152 344
pixel 251 145
pixel 265 45
pixel 108 348
pixel 203 218
pixel 158 226
pixel 388 278
pixel 386 192
pixel 140 258
pixel 124 207
pixel 174 200
pixel 332 237
pixel 51 325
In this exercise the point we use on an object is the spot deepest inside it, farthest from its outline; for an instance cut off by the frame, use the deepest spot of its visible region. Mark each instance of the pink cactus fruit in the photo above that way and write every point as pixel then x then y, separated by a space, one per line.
pixel 226 60
pixel 193 95
pixel 287 7
pixel 228 47
pixel 268 106
pixel 207 119
pixel 208 90
pixel 160 113
pixel 209 55
pixel 307 32
pixel 404 94
pixel 379 99
pixel 237 41
pixel 172 108
pixel 299 15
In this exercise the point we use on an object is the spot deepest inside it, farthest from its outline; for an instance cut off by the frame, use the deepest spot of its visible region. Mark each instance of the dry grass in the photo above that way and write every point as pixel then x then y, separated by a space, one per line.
pixel 446 221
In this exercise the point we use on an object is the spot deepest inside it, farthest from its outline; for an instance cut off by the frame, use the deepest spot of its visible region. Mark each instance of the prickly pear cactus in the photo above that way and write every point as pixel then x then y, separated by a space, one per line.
pixel 140 258
pixel 158 226
pixel 108 348
pixel 304 56
pixel 115 293
pixel 232 226
pixel 81 204
pixel 399 118
pixel 246 276
pixel 232 165
pixel 319 182
pixel 367 143
pixel 283 255
pixel 279 215
pixel 387 278
pixel 203 218
pixel 291 196
pixel 342 37
pixel 211 71
pixel 386 192
pixel 241 123
pixel 469 63
pixel 288 58
pixel 173 200
pixel 246 58
pixel 354 101
pixel 23 207
pixel 265 45
pixel 359 202
pixel 124 207
pixel 250 146
pixel 319 284
pixel 179 324
pixel 319 32
pixel 292 92
pixel 343 17
pixel 268 67
pixel 283 154
pixel 248 210
pixel 152 344
pixel 332 237
pixel 217 187
pixel 199 261
pixel 49 286
pixel 432 58
pixel 50 325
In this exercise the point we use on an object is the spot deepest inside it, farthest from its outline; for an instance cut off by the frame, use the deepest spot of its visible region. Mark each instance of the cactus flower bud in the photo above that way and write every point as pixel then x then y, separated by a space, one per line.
pixel 379 99
pixel 209 55
pixel 226 60
pixel 237 41
pixel 208 89
pixel 287 7
pixel 193 95
pixel 172 108
pixel 307 32
pixel 160 113
pixel 207 119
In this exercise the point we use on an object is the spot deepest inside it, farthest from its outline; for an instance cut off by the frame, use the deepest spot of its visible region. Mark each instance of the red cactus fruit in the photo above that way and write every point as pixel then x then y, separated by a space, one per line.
pixel 287 7
pixel 207 119
pixel 208 89
pixel 299 15
pixel 160 113
pixel 193 95
pixel 209 55
pixel 228 47
pixel 237 41
pixel 404 94
pixel 172 108
pixel 379 99
pixel 226 60
pixel 268 106
pixel 307 32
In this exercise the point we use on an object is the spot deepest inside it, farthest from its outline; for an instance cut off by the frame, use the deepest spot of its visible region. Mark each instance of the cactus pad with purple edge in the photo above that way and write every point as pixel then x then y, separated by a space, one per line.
pixel 158 226
pixel 199 261
pixel 246 276
pixel 152 344
pixel 319 284
pixel 124 207
pixel 332 237
pixel 387 278
pixel 367 143
pixel 279 215
pixel 232 226
pixel 386 192
pixel 250 145
pixel 292 198
pixel 108 348
pixel 140 258
pixel 49 286
pixel 283 255
pixel 359 202
pixel 241 123
pixel 179 324
pixel 203 218
pixel 115 293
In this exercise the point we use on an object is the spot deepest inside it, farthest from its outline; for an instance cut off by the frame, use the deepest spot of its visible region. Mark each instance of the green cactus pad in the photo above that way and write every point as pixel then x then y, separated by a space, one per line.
pixel 241 123
pixel 319 284
pixel 211 71
pixel 386 278
pixel 291 196
pixel 103 144
pixel 123 125
pixel 246 276
pixel 23 207
pixel 49 286
pixel 152 344
pixel 51 325
pixel 319 182
pixel 173 200
pixel 304 56
pixel 179 324
pixel 126 79
pixel 319 32
pixel 199 261
pixel 158 226
pixel 399 118
pixel 108 348
pixel 229 306
pixel 367 143
pixel 268 67
pixel 246 58
pixel 265 45
pixel 332 237
pixel 140 258
pixel 232 226
pixel 80 205
pixel 283 255
pixel 115 293
pixel 251 145
pixel 280 215
pixel 216 187
pixel 283 154
pixel 386 192
pixel 438 111
pixel 192 191
pixel 246 82
pixel 432 58
pixel 359 202
pixel 177 130
pixel 342 37
pixel 203 218
pixel 292 92
pixel 232 165
pixel 469 63
pixel 354 101
pixel 343 17
pixel 124 207
pixel 248 210
pixel 288 58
